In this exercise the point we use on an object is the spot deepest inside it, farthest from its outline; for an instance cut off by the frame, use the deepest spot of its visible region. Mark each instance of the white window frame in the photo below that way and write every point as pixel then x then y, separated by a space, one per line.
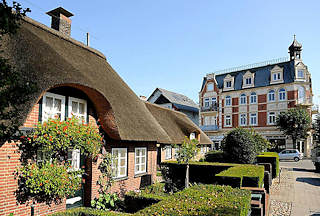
pixel 282 92
pixel 243 99
pixel 140 160
pixel 117 175
pixel 192 136
pixel 247 81
pixel 213 101
pixel 253 95
pixel 228 101
pixel 77 100
pixel 228 84
pixel 228 117
pixel 75 159
pixel 255 115
pixel 168 152
pixel 245 119
pixel 45 110
pixel 206 102
pixel 271 96
pixel 298 73
pixel 274 118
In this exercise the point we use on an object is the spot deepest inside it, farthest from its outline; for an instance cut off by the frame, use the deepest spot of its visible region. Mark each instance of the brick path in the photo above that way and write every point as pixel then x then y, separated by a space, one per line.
pixel 297 193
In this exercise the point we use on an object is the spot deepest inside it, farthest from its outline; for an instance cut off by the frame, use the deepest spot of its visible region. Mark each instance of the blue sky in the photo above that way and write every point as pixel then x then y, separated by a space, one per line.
pixel 173 44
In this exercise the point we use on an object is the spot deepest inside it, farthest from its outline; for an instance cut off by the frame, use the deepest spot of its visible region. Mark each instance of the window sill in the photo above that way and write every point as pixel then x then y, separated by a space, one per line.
pixel 120 178
pixel 140 175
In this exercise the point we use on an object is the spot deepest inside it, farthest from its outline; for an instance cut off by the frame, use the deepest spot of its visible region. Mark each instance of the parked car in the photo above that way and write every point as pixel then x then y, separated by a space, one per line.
pixel 290 154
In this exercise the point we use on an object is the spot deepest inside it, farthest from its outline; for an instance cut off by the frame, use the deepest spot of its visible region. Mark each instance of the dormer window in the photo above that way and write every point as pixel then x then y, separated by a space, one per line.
pixel 210 87
pixel 248 80
pixel 228 83
pixel 276 75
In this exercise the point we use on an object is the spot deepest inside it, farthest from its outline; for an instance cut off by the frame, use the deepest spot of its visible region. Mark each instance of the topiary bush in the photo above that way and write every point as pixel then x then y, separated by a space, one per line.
pixel 203 200
pixel 88 212
pixel 215 156
pixel 239 146
pixel 273 159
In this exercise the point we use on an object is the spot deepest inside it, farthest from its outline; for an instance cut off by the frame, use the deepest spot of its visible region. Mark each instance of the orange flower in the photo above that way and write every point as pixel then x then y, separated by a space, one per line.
pixel 35 136
pixel 22 137
pixel 50 140
pixel 40 184
pixel 65 128
pixel 51 165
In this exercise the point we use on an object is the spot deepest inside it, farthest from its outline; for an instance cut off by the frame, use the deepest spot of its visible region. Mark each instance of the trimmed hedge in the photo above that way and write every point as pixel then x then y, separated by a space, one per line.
pixel 215 156
pixel 82 211
pixel 135 201
pixel 199 172
pixel 249 175
pixel 273 159
pixel 203 200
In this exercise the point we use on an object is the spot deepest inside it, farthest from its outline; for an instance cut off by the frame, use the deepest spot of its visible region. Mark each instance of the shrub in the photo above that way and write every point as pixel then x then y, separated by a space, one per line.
pixel 88 212
pixel 215 156
pixel 203 200
pixel 135 201
pixel 106 201
pixel 239 146
pixel 250 175
pixel 50 181
pixel 200 172
pixel 273 159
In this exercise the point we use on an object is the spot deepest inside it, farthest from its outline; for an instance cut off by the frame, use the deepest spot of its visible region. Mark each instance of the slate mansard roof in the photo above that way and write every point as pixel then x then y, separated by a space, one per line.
pixel 54 60
pixel 262 75
pixel 178 100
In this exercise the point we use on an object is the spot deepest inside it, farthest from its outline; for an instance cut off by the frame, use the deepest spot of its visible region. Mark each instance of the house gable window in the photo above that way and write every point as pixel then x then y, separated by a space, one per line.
pixel 78 108
pixel 276 75
pixel 271 96
pixel 228 101
pixel 210 87
pixel 227 122
pixel 53 106
pixel 253 98
pixel 253 119
pixel 301 74
pixel 228 83
pixel 243 119
pixel 140 160
pixel 206 102
pixel 248 80
pixel 119 162
pixel 271 118
pixel 168 152
pixel 282 94
pixel 243 99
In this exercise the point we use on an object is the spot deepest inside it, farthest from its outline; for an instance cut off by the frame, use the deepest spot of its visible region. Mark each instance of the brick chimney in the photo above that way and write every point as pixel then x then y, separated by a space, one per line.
pixel 60 20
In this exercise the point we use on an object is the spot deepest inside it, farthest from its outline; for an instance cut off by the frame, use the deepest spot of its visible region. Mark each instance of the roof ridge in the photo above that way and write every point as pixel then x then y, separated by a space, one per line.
pixel 165 108
pixel 251 66
pixel 63 36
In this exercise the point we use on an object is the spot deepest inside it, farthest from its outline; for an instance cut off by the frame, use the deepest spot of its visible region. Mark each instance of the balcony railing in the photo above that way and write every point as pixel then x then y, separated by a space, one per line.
pixel 209 127
pixel 212 107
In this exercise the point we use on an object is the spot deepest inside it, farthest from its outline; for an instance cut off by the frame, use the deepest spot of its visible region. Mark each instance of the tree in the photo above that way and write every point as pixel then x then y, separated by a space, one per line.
pixel 295 123
pixel 186 151
pixel 261 144
pixel 239 146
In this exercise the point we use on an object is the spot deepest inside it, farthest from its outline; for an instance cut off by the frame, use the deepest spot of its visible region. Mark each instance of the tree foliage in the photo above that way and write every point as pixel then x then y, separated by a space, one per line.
pixel 295 123
pixel 260 143
pixel 186 151
pixel 15 86
pixel 239 146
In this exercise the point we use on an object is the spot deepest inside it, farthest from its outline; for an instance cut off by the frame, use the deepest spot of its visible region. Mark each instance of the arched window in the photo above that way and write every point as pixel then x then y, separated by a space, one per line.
pixel 271 95
pixel 228 101
pixel 253 98
pixel 243 99
pixel 282 94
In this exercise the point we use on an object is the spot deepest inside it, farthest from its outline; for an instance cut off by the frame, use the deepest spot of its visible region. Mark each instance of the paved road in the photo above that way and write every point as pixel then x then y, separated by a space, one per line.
pixel 301 188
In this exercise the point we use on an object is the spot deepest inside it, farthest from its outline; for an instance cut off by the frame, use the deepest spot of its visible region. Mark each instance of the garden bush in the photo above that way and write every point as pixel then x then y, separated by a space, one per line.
pixel 200 172
pixel 88 212
pixel 135 201
pixel 239 146
pixel 273 159
pixel 249 175
pixel 203 200
pixel 215 156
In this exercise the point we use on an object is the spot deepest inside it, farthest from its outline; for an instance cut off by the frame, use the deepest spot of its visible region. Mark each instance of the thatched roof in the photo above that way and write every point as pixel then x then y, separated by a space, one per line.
pixel 54 59
pixel 176 124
